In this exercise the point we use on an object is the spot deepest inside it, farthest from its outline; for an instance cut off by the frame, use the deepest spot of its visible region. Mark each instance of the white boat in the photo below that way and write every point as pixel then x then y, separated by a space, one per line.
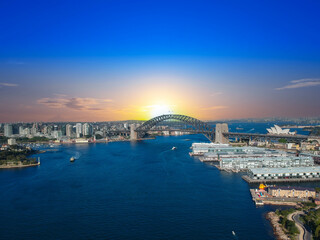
pixel 173 148
pixel 72 159
pixel 233 233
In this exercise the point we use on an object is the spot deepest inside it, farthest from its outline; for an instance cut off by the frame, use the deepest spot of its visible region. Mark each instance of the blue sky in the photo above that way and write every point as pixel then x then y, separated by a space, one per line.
pixel 108 60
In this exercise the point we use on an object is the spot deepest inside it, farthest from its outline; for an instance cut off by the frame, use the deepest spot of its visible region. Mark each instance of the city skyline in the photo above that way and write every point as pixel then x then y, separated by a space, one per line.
pixel 112 61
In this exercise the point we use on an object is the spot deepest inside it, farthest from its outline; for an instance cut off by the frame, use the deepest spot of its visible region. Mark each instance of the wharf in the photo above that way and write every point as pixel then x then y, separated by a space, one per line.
pixel 250 180
pixel 266 198
pixel 195 154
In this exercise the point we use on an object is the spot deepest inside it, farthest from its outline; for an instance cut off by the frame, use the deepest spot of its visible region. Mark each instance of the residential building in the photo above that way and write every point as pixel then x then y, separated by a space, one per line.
pixel 69 130
pixel 292 192
pixel 78 130
pixel 8 130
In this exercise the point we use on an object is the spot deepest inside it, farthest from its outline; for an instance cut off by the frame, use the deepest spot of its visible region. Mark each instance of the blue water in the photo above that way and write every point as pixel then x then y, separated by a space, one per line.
pixel 126 190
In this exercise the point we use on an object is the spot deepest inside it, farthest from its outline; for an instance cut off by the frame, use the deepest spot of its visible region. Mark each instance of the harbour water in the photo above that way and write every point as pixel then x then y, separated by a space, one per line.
pixel 124 190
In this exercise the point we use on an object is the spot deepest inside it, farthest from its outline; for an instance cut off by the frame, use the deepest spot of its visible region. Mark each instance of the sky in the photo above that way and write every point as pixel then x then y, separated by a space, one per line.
pixel 121 60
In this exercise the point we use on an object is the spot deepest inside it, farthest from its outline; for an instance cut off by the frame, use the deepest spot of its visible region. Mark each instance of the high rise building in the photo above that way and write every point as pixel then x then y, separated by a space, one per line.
pixel 34 130
pixel 57 134
pixel 69 130
pixel 78 129
pixel 7 130
pixel 21 130
pixel 27 131
pixel 87 129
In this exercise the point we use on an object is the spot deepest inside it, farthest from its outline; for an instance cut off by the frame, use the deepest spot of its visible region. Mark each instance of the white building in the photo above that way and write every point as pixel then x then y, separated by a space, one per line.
pixel 57 134
pixel 244 163
pixel 298 173
pixel 202 148
pixel 69 130
pixel 12 141
pixel 87 129
pixel 21 130
pixel 7 130
pixel 78 129
pixel 279 131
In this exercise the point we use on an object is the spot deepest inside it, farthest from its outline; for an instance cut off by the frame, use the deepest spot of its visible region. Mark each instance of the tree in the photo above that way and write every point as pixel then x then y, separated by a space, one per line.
pixel 98 136
pixel 282 140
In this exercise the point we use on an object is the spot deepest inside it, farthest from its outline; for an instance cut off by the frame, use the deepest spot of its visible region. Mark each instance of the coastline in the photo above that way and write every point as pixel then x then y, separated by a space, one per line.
pixel 276 226
pixel 19 166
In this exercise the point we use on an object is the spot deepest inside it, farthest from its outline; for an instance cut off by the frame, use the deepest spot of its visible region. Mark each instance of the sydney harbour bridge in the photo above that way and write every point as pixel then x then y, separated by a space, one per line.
pixel 218 133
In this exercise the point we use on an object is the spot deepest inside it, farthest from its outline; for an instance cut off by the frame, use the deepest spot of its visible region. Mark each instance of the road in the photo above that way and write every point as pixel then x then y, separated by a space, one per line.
pixel 304 233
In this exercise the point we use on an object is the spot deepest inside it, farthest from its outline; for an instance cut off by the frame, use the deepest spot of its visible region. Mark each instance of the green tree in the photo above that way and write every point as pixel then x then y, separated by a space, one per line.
pixel 282 140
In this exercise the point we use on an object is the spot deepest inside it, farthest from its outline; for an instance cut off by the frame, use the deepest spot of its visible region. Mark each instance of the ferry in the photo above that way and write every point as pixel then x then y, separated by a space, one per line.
pixel 72 159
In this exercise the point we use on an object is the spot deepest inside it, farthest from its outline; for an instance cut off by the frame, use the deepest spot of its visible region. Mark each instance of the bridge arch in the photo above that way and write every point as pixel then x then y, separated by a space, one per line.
pixel 198 125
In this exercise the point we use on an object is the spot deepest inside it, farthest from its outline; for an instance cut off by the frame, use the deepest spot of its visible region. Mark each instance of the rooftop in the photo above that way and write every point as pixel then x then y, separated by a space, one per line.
pixel 292 188
pixel 285 170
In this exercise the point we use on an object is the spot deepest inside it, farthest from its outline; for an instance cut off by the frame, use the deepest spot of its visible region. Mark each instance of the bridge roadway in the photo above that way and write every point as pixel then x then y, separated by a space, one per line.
pixel 228 134
pixel 266 136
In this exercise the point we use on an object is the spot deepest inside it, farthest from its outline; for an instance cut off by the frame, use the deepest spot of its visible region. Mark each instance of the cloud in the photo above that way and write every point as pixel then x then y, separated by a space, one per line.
pixel 305 82
pixel 215 94
pixel 8 84
pixel 214 108
pixel 75 103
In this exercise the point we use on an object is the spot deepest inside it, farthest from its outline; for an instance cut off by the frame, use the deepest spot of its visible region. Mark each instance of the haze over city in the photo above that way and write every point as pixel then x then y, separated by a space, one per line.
pixel 120 60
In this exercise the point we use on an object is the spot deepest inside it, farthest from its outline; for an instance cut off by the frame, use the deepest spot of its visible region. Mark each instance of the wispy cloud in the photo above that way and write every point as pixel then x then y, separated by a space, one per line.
pixel 215 94
pixel 75 103
pixel 305 82
pixel 2 84
pixel 214 108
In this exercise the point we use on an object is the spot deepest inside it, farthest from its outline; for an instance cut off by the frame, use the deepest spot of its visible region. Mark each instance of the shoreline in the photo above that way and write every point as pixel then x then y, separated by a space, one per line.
pixel 19 166
pixel 278 232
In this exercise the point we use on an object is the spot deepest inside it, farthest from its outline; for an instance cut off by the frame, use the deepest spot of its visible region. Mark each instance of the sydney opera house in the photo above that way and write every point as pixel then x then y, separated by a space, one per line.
pixel 279 131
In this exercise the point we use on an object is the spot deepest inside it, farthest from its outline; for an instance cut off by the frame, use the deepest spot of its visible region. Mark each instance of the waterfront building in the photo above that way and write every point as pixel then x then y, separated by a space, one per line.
pixel 69 130
pixel 276 130
pixel 217 153
pixel 292 192
pixel 244 163
pixel 87 129
pixel 288 174
pixel 198 149
pixel 7 130
pixel 78 130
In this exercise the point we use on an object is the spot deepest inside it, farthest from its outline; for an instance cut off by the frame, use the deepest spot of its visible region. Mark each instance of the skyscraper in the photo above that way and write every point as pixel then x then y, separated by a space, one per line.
pixel 69 131
pixel 87 129
pixel 7 130
pixel 21 130
pixel 78 129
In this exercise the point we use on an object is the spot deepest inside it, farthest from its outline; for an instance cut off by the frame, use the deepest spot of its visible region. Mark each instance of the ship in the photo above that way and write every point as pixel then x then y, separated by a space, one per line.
pixel 173 148
pixel 72 159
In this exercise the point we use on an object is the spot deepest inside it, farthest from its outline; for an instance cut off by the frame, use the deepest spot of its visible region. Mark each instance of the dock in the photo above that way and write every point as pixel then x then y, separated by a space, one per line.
pixel 266 198
pixel 250 180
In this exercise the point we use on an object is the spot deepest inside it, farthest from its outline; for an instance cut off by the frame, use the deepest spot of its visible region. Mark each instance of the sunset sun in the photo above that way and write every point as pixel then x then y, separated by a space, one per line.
pixel 157 110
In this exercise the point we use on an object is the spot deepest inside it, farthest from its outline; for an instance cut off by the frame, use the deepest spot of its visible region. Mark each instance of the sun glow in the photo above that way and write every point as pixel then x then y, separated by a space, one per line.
pixel 157 110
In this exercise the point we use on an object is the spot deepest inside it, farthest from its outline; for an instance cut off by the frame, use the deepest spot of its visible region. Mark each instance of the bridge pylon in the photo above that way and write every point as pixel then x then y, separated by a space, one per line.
pixel 133 133
pixel 221 128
